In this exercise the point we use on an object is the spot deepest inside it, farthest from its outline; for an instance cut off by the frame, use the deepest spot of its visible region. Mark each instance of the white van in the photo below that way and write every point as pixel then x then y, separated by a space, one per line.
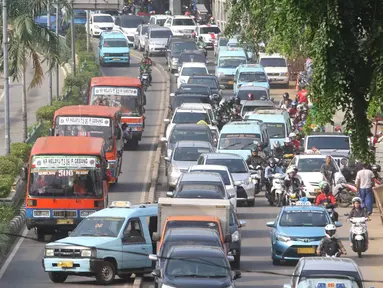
pixel 276 68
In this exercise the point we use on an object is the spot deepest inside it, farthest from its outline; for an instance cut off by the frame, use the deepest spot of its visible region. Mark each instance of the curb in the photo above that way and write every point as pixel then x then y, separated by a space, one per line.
pixel 18 221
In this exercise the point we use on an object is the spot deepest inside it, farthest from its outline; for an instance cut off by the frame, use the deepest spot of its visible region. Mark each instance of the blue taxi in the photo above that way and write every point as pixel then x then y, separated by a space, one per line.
pixel 254 74
pixel 227 62
pixel 297 231
pixel 113 48
pixel 113 241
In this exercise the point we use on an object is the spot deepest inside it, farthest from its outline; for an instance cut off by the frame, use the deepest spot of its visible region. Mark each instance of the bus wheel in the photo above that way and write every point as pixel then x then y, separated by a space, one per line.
pixel 40 235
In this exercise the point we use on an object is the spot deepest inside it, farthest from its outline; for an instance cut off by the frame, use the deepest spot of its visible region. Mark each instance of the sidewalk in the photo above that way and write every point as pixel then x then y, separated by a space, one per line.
pixel 36 98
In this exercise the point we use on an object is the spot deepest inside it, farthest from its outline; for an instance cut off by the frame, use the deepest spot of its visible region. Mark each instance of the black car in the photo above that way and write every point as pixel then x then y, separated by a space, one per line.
pixel 196 266
pixel 175 49
pixel 191 56
pixel 208 80
pixel 188 98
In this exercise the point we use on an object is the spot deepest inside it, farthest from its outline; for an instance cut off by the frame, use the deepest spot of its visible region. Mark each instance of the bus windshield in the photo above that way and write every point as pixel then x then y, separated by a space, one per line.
pixel 65 177
pixel 124 97
pixel 86 127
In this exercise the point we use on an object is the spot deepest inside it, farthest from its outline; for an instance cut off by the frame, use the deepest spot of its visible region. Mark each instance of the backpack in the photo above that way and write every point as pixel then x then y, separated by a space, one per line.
pixel 330 246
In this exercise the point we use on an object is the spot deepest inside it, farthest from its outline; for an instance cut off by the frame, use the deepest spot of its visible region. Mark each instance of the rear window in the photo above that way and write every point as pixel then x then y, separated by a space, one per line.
pixel 223 41
pixel 207 30
pixel 189 153
pixel 273 62
pixel 208 81
pixel 103 19
pixel 192 58
pixel 328 142
pixel 233 165
pixel 203 194
pixel 161 34
pixel 179 100
pixel 255 94
pixel 223 173
pixel 116 42
pixel 192 224
pixel 190 117
pixel 193 89
pixel 183 22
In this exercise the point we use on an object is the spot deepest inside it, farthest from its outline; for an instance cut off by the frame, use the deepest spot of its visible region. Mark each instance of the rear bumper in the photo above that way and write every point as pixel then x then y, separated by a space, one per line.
pixel 51 224
pixel 111 60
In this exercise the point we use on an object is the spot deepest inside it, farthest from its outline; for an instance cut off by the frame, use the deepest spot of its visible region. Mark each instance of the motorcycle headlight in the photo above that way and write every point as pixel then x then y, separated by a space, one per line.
pixel 292 196
pixel 235 236
pixel 169 152
pixel 49 252
pixel 283 238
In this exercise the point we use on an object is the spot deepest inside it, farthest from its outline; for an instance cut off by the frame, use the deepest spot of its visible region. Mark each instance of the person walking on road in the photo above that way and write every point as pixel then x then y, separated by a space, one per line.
pixel 328 171
pixel 364 183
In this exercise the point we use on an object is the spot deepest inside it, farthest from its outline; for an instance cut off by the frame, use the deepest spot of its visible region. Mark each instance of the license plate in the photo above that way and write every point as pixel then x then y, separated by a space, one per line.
pixel 66 264
pixel 230 82
pixel 317 190
pixel 64 221
pixel 116 59
pixel 306 251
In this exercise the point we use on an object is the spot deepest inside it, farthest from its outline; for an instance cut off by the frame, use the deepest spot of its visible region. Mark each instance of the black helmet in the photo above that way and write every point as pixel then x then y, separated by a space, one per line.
pixel 232 100
pixel 325 187
pixel 200 38
pixel 237 100
pixel 254 149
pixel 375 168
pixel 286 95
pixel 271 162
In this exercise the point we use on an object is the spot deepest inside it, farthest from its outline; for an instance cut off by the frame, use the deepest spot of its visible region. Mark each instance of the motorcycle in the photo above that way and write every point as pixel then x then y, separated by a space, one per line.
pixel 330 210
pixel 343 193
pixel 277 191
pixel 256 177
pixel 292 197
pixel 359 234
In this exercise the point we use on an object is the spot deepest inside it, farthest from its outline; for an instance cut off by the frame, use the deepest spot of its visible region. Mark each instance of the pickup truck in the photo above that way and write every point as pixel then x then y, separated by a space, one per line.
pixel 193 213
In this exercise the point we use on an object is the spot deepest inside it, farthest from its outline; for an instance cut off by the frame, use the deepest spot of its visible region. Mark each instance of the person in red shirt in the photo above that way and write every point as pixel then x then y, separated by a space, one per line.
pixel 326 198
pixel 302 97
pixel 293 110
pixel 295 141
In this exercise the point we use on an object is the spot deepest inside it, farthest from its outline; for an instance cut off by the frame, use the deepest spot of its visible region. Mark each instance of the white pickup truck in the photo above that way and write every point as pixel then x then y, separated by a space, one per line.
pixel 181 25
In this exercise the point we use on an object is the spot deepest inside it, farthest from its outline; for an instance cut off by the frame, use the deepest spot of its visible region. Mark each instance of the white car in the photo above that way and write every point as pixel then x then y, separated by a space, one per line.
pixel 226 177
pixel 276 68
pixel 139 36
pixel 158 19
pixel 99 23
pixel 181 25
pixel 189 116
pixel 309 170
pixel 209 34
pixel 128 24
pixel 189 69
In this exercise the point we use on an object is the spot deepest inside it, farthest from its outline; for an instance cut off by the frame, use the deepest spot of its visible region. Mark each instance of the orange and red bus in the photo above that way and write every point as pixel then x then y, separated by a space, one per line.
pixel 125 93
pixel 94 121
pixel 66 181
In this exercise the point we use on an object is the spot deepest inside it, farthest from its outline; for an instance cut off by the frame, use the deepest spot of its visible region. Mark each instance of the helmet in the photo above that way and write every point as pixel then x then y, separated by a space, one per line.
pixel 300 107
pixel 255 148
pixel 292 134
pixel 286 95
pixel 324 186
pixel 287 140
pixel 200 38
pixel 330 230
pixel 277 144
pixel 375 168
pixel 272 162
pixel 356 199
pixel 237 100
pixel 250 96
pixel 290 170
pixel 294 103
pixel 152 12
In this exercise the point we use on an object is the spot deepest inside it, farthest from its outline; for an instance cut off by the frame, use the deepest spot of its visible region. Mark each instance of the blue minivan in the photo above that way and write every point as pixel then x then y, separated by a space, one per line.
pixel 254 74
pixel 113 48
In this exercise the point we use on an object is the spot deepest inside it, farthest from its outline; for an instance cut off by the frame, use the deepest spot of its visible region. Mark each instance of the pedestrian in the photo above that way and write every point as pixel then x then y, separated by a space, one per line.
pixel 364 183
pixel 328 171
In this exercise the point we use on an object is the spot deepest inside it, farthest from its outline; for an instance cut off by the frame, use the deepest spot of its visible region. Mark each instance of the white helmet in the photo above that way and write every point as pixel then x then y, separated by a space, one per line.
pixel 287 140
pixel 330 230
pixel 292 134
pixel 291 169
pixel 356 199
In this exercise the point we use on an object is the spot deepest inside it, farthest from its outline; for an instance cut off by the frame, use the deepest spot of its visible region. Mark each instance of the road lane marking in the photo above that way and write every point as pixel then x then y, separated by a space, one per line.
pixel 13 253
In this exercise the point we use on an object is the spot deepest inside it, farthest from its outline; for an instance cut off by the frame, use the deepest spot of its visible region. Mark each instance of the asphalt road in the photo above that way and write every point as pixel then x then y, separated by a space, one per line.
pixel 25 269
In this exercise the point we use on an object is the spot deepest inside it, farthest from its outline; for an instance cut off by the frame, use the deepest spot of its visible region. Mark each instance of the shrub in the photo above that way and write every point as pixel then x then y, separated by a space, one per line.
pixel 21 150
pixel 8 166
pixel 45 113
pixel 6 183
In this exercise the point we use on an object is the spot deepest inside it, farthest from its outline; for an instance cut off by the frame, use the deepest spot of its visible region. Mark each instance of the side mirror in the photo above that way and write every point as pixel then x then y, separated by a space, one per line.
pixel 156 273
pixel 338 224
pixel 237 275
pixel 242 223
pixel 287 286
pixel 176 75
pixel 270 224
pixel 237 183
pixel 156 236
pixel 51 132
pixel 169 194
pixel 221 86
pixel 153 257
pixel 172 94
pixel 163 139
pixel 272 99
pixel 166 121
pixel 167 159
pixel 230 258
pixel 24 173
pixel 228 238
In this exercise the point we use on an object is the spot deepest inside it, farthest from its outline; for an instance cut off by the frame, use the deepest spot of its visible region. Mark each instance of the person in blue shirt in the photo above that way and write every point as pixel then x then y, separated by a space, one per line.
pixel 270 171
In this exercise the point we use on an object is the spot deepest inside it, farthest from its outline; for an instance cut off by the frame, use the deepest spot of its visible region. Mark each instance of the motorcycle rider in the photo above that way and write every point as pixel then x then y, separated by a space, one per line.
pixel 326 198
pixel 286 98
pixel 125 130
pixel 146 66
pixel 288 147
pixel 292 180
pixel 211 21
pixel 255 159
pixel 270 171
pixel 293 109
pixel 277 150
pixel 296 143
pixel 200 43
pixel 330 245
pixel 357 211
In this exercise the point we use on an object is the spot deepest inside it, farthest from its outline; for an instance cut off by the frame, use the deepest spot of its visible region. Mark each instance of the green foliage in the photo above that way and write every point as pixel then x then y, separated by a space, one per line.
pixel 45 113
pixel 6 183
pixel 7 212
pixel 21 150
pixel 8 166
pixel 345 40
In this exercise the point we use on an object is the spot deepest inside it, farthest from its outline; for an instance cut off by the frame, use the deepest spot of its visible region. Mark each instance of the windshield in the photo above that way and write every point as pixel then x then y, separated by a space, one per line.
pixel 231 62
pixel 178 101
pixel 131 22
pixel 252 77
pixel 208 81
pixel 86 127
pixel 327 282
pixel 190 117
pixel 273 62
pixel 312 164
pixel 233 44
pixel 223 41
pixel 179 47
pixel 275 130
pixel 192 224
pixel 331 143
pixel 193 89
pixel 98 227
pixel 238 141
pixel 104 19
pixel 203 194
pixel 191 58
pixel 300 218
pixel 183 22
pixel 189 153
pixel 207 30
pixel 190 71
pixel 233 165
pixel 251 108
pixel 65 177
pixel 204 267
pixel 189 135
pixel 124 97
pixel 161 34
pixel 257 94
pixel 223 173
pixel 117 42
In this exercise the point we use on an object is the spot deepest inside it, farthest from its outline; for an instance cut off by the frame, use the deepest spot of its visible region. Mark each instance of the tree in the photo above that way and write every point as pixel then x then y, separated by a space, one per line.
pixel 345 40
pixel 27 40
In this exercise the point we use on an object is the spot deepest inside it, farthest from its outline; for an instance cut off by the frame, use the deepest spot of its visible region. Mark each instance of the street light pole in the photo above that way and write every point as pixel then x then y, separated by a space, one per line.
pixel 57 66
pixel 7 131
pixel 49 72
pixel 73 48
pixel 87 31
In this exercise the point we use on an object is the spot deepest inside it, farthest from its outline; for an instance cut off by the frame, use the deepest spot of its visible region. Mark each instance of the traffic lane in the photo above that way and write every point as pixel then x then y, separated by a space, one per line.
pixel 256 248
pixel 25 269
pixel 136 166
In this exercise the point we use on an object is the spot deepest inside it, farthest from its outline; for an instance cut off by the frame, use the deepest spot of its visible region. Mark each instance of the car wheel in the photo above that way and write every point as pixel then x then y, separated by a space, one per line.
pixel 276 262
pixel 106 273
pixel 57 277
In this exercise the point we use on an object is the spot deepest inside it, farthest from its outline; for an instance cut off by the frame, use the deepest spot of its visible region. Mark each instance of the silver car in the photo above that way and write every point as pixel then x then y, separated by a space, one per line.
pixel 156 39
pixel 239 170
pixel 184 155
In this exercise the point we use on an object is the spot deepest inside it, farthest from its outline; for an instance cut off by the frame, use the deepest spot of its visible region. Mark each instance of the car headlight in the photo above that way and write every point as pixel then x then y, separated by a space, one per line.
pixel 86 253
pixel 41 213
pixel 245 182
pixel 235 236
pixel 169 152
pixel 49 252
pixel 284 74
pixel 283 238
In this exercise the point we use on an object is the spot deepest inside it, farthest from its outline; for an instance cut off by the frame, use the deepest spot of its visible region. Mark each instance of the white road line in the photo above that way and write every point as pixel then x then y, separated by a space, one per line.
pixel 13 253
